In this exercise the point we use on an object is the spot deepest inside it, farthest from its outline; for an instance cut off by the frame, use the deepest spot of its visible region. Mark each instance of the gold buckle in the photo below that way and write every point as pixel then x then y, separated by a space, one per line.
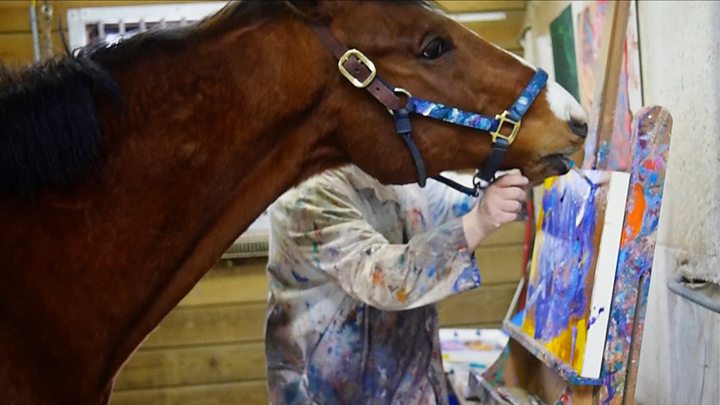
pixel 503 118
pixel 364 60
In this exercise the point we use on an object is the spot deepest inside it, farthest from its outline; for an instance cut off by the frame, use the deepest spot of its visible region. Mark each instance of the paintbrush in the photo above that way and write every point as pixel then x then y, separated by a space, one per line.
pixel 580 173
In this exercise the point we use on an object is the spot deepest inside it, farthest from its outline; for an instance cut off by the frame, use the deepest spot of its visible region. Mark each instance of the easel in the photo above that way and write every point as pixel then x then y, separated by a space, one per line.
pixel 526 372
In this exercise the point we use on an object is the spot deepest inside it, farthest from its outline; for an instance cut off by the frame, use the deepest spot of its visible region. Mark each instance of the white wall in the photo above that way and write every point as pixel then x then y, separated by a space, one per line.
pixel 680 52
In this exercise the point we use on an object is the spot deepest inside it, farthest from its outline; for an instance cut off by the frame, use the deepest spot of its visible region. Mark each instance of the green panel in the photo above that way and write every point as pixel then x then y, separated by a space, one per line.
pixel 563 47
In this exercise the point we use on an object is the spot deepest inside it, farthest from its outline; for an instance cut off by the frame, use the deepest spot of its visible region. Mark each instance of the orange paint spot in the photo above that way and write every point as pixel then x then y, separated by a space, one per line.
pixel 401 295
pixel 377 278
pixel 649 164
pixel 635 218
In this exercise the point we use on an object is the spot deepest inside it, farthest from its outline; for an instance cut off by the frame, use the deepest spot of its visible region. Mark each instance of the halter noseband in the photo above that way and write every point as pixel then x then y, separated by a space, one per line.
pixel 361 73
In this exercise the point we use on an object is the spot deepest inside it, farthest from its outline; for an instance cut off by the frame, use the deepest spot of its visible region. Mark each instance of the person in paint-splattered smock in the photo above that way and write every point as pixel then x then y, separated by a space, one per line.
pixel 355 268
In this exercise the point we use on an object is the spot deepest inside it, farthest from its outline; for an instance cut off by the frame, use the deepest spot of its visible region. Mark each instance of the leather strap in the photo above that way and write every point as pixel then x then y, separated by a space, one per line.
pixel 403 127
pixel 377 87
pixel 492 164
pixel 471 191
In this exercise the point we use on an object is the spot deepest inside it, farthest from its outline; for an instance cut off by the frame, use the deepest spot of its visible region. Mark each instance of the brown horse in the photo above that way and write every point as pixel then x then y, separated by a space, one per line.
pixel 126 171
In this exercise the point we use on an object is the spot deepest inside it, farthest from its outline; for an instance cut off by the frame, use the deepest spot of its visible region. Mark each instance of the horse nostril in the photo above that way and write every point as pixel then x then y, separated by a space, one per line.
pixel 579 128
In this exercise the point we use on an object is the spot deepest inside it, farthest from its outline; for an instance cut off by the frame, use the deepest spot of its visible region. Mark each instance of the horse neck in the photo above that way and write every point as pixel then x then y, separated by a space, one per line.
pixel 234 135
pixel 197 150
pixel 235 118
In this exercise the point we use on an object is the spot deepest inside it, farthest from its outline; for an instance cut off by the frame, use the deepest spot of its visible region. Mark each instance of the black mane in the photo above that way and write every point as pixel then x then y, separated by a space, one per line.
pixel 49 131
pixel 50 135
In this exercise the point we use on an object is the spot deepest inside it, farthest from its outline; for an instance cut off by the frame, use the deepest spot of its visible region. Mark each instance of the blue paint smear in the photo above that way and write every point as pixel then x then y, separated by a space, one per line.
pixel 469 278
pixel 298 277
pixel 290 391
pixel 432 270
pixel 463 207
pixel 318 384
pixel 594 319
pixel 518 318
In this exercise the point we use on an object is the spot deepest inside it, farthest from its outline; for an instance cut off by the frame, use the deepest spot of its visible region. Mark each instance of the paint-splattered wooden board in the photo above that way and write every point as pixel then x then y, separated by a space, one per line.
pixel 637 250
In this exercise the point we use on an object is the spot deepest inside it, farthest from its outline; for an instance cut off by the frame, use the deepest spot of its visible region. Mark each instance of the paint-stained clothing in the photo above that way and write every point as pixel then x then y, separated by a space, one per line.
pixel 355 268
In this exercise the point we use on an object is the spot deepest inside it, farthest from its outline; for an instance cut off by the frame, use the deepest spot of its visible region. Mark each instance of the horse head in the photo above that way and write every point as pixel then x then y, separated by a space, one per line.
pixel 419 49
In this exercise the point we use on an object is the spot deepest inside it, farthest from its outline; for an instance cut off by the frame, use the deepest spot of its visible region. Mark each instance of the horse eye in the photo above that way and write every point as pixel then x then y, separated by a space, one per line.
pixel 435 49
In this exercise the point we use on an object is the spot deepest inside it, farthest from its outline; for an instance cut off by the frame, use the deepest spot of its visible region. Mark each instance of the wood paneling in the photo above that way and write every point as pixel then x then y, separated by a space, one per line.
pixel 15 32
pixel 210 325
pixel 510 233
pixel 222 284
pixel 474 6
pixel 204 364
pixel 503 33
pixel 16 48
pixel 245 393
pixel 15 15
pixel 499 264
pixel 486 305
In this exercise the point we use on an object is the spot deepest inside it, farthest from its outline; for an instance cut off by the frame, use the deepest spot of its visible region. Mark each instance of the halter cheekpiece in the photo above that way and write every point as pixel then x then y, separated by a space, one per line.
pixel 360 71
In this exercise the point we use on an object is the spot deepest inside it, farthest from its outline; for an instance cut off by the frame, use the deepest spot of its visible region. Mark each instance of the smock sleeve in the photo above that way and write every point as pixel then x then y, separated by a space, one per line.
pixel 325 229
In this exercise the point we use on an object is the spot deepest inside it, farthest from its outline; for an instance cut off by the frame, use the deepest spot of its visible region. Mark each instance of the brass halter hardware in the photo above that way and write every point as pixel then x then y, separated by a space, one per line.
pixel 363 60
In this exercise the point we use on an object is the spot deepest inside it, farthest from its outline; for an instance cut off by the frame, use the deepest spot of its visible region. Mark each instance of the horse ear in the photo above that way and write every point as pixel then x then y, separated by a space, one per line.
pixel 314 10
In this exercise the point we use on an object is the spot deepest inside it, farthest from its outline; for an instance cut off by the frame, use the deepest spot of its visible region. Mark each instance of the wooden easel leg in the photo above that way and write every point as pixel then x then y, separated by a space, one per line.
pixel 638 329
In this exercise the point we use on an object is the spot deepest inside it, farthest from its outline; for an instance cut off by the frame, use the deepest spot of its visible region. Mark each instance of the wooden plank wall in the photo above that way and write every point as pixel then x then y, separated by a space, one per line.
pixel 16 35
pixel 504 33
pixel 209 350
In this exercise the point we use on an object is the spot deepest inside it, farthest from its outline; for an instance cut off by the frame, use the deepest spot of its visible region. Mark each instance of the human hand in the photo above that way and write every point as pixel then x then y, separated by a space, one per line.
pixel 501 204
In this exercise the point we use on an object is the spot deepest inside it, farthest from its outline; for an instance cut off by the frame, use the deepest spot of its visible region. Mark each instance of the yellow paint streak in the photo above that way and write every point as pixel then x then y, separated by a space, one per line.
pixel 562 345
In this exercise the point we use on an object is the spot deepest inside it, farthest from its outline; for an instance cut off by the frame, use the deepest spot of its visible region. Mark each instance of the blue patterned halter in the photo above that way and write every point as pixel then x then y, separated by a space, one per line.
pixel 503 128
pixel 478 121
